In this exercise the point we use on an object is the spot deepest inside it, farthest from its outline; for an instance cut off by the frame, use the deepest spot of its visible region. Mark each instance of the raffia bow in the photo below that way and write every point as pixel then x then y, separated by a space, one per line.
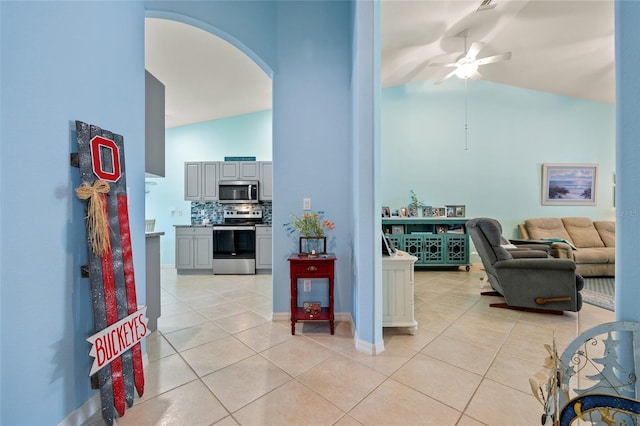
pixel 97 222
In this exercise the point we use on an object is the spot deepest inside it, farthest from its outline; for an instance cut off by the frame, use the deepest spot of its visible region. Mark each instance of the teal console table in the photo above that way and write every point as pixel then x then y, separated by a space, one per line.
pixel 435 241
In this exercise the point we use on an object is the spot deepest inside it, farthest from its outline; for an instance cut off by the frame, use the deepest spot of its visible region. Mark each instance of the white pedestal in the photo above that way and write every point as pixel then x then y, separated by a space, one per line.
pixel 397 291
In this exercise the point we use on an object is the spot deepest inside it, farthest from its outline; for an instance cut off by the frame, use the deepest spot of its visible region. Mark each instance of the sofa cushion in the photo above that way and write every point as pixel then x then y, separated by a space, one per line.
pixel 607 231
pixel 582 232
pixel 594 255
pixel 548 227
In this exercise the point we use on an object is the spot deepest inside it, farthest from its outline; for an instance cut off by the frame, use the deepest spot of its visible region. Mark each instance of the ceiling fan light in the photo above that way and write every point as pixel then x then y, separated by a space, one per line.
pixel 465 71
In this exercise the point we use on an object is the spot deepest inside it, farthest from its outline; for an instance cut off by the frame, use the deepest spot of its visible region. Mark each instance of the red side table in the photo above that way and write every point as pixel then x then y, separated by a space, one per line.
pixel 302 266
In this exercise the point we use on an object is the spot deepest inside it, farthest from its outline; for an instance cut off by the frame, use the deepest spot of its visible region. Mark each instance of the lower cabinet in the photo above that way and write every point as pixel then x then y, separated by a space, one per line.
pixel 435 242
pixel 194 247
pixel 397 291
pixel 264 251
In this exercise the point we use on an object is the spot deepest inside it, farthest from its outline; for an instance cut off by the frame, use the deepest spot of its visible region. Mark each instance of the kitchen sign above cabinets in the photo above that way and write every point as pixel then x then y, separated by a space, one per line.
pixel 201 178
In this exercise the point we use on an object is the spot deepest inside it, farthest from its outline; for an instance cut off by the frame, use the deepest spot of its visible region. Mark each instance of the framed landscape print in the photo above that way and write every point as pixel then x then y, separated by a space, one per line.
pixel 569 184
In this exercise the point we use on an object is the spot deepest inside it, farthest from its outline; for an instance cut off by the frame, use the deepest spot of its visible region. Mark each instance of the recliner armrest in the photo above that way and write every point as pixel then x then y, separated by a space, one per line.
pixel 519 242
pixel 540 245
pixel 523 253
pixel 534 263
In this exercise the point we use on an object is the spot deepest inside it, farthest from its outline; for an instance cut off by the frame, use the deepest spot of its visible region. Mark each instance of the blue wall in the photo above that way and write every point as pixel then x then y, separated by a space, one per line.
pixel 61 61
pixel 627 160
pixel 499 175
pixel 312 139
pixel 511 133
pixel 243 135
pixel 306 48
pixel 49 79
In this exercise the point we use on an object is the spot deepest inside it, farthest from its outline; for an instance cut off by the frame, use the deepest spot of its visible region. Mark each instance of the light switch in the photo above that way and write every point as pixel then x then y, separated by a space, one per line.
pixel 306 204
pixel 307 285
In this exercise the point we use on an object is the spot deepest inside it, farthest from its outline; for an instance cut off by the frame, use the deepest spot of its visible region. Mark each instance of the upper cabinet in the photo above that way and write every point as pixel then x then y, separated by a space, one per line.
pixel 266 180
pixel 154 126
pixel 201 180
pixel 239 170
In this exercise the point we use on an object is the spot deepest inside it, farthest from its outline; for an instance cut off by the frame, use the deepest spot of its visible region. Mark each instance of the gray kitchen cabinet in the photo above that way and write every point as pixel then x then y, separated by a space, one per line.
pixel 266 180
pixel 154 162
pixel 239 170
pixel 201 180
pixel 264 251
pixel 194 247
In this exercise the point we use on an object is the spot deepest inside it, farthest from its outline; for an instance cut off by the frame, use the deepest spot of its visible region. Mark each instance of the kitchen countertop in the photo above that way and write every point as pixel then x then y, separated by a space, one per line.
pixel 153 234
pixel 195 226
pixel 212 224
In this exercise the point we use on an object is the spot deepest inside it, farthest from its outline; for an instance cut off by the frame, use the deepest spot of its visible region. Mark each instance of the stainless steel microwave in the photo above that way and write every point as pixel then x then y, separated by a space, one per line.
pixel 238 191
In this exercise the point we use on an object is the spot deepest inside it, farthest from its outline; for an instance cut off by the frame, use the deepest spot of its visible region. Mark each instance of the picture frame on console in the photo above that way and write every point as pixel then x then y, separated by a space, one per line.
pixel 455 211
pixel 569 184
pixel 397 229
pixel 439 212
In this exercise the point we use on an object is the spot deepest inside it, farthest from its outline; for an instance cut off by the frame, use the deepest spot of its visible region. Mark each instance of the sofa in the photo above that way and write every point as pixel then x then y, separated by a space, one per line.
pixel 590 244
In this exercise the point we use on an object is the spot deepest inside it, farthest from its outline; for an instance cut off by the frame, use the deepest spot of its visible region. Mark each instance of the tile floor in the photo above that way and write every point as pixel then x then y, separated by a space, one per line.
pixel 218 359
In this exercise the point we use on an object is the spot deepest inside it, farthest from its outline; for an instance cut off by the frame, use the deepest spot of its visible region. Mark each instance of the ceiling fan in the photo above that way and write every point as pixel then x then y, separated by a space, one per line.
pixel 467 65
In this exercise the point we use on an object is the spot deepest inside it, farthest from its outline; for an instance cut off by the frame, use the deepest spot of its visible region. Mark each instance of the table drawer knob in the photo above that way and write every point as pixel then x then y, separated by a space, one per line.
pixel 312 269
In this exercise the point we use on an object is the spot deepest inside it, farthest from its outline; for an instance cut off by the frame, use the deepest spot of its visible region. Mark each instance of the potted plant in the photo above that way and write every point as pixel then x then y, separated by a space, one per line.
pixel 311 227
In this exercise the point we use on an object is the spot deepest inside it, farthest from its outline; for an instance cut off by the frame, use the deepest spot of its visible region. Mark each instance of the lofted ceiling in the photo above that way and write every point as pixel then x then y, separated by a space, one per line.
pixel 558 46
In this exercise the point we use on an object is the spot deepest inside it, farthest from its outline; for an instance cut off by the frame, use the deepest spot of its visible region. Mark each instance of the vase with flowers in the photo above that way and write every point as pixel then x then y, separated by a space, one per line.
pixel 415 207
pixel 311 227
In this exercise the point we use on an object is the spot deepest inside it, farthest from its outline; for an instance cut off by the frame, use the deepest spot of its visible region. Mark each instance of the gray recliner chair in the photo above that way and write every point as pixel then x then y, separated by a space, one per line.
pixel 538 284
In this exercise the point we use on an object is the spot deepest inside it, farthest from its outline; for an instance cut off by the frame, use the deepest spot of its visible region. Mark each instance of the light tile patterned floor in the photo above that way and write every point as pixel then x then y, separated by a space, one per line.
pixel 218 359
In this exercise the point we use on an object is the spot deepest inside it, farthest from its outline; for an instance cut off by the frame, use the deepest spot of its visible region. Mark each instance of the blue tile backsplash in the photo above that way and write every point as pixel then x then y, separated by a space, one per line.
pixel 213 212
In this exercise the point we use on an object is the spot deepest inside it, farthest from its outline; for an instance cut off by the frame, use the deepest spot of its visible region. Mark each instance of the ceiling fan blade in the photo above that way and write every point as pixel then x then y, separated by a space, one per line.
pixel 451 74
pixel 495 58
pixel 442 64
pixel 475 48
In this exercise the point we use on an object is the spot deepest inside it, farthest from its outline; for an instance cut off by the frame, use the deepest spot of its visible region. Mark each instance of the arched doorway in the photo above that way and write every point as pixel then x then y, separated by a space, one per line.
pixel 218 104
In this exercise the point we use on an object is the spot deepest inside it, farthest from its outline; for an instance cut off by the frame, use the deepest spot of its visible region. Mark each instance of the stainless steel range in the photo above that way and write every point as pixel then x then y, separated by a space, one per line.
pixel 234 241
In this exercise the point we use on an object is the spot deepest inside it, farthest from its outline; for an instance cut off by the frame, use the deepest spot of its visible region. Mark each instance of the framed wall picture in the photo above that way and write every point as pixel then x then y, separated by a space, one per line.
pixel 569 184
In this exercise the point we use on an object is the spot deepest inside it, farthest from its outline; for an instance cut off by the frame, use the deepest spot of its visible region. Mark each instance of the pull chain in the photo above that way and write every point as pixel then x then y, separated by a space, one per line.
pixel 466 127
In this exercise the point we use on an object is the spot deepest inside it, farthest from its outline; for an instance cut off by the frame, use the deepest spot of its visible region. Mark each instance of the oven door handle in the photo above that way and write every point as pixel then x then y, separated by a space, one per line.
pixel 234 228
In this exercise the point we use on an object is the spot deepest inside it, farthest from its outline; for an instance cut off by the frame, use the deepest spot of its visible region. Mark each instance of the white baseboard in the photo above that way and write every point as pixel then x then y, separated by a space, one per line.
pixel 361 346
pixel 87 410
pixel 366 347
pixel 84 413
